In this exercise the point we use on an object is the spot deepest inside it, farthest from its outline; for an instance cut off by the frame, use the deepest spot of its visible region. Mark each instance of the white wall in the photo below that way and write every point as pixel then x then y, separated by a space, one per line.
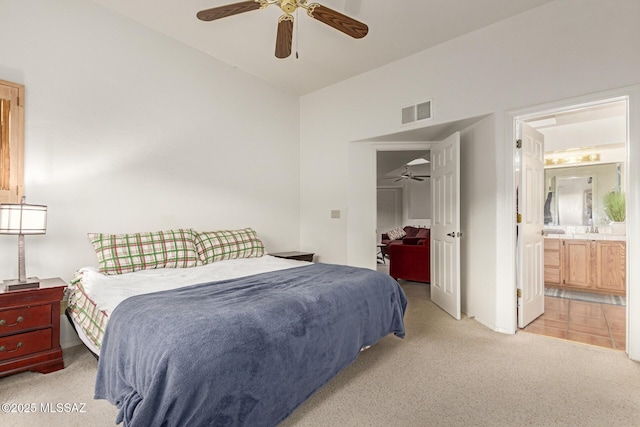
pixel 477 219
pixel 417 198
pixel 595 133
pixel 564 49
pixel 128 130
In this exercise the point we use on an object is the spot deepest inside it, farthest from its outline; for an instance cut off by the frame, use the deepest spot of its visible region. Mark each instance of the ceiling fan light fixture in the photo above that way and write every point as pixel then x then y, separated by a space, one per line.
pixel 288 6
pixel 418 161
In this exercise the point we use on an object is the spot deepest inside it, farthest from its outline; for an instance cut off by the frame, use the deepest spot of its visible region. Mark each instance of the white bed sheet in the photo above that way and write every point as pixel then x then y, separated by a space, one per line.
pixel 109 291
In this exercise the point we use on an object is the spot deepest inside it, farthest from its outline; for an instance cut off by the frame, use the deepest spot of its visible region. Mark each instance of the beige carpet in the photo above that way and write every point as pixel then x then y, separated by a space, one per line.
pixel 445 373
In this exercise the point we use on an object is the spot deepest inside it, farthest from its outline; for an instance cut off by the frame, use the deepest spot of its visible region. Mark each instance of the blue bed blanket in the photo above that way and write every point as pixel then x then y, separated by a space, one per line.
pixel 245 351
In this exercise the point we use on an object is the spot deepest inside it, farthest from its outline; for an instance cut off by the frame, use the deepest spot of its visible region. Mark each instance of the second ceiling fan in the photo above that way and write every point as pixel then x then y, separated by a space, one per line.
pixel 337 20
pixel 407 174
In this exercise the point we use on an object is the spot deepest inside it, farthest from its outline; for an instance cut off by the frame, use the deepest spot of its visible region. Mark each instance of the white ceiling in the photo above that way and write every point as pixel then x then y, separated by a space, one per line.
pixel 397 28
pixel 602 126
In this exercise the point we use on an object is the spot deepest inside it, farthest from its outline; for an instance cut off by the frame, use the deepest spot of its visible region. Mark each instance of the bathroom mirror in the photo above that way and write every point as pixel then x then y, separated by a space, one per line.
pixel 574 195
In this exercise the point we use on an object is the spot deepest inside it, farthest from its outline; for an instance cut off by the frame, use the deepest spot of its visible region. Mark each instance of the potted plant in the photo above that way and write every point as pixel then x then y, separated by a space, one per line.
pixel 616 207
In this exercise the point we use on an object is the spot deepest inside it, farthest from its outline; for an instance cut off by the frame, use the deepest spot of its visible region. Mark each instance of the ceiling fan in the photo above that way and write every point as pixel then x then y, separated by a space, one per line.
pixel 284 36
pixel 407 174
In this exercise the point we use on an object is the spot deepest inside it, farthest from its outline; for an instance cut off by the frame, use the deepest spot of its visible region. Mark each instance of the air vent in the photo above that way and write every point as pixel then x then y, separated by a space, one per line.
pixel 408 114
pixel 417 112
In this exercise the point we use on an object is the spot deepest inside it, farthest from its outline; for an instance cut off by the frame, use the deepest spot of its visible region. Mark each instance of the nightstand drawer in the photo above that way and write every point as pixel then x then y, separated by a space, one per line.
pixel 20 319
pixel 24 344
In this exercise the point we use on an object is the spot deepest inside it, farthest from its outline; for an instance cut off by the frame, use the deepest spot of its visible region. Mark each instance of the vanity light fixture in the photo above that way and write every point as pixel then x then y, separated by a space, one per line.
pixel 572 160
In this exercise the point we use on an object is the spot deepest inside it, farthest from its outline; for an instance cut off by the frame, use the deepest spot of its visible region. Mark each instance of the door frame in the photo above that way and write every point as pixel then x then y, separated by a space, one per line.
pixel 632 184
pixel 362 194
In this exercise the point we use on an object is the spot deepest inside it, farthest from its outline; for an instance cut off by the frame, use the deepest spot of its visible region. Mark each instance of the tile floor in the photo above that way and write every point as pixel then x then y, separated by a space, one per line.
pixel 586 322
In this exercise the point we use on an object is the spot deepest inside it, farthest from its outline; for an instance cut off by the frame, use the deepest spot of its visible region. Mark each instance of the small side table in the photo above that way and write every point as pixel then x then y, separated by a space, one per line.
pixel 300 256
pixel 30 328
pixel 381 256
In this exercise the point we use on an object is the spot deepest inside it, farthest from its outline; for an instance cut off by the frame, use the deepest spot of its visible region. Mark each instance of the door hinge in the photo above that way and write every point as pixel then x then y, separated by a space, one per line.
pixel 519 293
pixel 518 143
pixel 518 218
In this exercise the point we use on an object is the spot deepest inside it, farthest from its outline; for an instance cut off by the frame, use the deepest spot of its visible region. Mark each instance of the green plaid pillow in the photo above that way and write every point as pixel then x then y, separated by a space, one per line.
pixel 228 244
pixel 124 253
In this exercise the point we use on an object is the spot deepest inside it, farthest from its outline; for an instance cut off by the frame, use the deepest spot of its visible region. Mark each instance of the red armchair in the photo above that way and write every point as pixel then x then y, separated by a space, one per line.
pixel 411 262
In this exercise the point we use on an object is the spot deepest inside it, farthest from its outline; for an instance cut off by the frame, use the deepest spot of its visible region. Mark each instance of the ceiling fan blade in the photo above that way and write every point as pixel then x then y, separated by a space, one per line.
pixel 285 36
pixel 416 178
pixel 337 20
pixel 230 10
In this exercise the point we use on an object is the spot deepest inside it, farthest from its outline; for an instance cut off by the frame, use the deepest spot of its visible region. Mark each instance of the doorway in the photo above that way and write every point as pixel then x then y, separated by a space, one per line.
pixel 584 270
pixel 403 192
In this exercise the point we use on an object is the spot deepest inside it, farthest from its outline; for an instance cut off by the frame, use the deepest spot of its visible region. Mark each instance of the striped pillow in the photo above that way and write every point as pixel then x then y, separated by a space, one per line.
pixel 228 244
pixel 396 233
pixel 125 253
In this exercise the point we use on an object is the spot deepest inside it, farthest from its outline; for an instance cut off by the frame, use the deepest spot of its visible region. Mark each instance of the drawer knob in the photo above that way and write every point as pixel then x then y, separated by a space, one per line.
pixel 4 348
pixel 18 320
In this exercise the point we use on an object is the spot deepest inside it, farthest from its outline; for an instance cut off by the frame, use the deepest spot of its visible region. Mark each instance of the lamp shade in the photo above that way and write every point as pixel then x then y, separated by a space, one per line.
pixel 23 219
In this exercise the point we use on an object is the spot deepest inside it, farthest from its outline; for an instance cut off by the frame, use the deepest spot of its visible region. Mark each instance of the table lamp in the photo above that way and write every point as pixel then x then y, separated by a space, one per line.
pixel 21 219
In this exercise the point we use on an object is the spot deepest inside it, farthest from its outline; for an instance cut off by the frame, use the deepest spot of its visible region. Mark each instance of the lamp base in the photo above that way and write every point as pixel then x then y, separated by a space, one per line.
pixel 16 284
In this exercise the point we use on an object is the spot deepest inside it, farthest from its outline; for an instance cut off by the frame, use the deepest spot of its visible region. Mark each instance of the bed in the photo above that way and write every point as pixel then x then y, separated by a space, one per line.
pixel 233 342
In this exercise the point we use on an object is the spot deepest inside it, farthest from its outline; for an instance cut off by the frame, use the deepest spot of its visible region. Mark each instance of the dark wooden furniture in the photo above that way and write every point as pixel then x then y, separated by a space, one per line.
pixel 30 328
pixel 411 261
pixel 300 256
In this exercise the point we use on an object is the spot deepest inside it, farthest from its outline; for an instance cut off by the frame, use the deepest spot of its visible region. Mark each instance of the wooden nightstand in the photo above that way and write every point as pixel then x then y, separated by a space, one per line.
pixel 300 256
pixel 30 328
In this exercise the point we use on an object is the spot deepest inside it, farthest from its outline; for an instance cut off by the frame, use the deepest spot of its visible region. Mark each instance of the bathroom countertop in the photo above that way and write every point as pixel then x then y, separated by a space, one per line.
pixel 587 236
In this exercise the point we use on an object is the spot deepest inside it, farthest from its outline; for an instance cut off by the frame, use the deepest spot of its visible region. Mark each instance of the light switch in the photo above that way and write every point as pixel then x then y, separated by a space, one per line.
pixel 335 213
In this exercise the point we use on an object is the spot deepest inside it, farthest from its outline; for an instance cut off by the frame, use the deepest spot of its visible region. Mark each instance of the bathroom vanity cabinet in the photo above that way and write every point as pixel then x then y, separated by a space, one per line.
pixel 597 266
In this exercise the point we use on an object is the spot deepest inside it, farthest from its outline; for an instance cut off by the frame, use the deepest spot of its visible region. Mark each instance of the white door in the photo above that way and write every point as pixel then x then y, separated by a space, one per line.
pixel 445 225
pixel 530 245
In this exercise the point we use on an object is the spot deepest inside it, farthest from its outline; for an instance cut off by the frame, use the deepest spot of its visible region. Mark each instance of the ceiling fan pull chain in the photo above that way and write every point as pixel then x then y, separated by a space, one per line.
pixel 297 34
